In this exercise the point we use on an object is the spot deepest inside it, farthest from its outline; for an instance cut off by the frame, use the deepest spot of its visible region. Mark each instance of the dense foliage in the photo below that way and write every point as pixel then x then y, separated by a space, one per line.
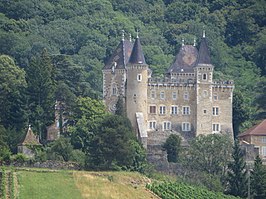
pixel 183 191
pixel 172 146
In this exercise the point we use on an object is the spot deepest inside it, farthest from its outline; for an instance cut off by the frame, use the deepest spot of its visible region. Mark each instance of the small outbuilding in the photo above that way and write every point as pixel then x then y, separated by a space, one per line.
pixel 30 141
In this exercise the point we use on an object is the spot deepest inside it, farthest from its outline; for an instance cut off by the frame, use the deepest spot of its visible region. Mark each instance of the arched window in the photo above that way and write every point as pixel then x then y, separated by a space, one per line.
pixel 204 76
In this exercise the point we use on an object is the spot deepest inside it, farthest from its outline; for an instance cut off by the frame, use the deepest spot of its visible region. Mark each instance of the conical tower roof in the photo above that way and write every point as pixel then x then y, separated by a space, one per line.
pixel 30 138
pixel 137 56
pixel 204 53
pixel 121 55
pixel 185 60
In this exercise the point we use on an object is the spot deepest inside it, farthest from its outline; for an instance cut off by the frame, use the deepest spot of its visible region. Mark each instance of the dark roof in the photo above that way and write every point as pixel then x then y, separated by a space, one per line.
pixel 137 56
pixel 120 56
pixel 259 129
pixel 185 60
pixel 30 138
pixel 204 53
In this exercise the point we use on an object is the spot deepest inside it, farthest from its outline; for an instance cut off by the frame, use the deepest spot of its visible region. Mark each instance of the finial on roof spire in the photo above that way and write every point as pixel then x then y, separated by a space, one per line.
pixel 137 33
pixel 183 41
pixel 203 34
pixel 29 125
pixel 123 35
pixel 130 39
pixel 194 43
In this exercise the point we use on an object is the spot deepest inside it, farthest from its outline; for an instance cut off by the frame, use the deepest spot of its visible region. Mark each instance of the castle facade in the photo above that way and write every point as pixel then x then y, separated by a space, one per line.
pixel 187 101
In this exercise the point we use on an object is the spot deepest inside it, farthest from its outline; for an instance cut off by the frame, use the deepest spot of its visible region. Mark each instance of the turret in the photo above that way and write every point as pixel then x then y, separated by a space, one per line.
pixel 136 93
pixel 114 74
pixel 204 74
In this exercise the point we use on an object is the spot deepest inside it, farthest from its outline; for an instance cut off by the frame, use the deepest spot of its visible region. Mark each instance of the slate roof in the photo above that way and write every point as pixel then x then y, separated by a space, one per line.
pixel 120 56
pixel 204 53
pixel 137 56
pixel 259 130
pixel 185 60
pixel 30 138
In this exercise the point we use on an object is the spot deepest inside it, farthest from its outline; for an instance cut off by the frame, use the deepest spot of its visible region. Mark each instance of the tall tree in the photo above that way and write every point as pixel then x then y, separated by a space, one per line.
pixel 237 173
pixel 210 153
pixel 12 87
pixel 258 179
pixel 173 147
pixel 41 88
pixel 120 107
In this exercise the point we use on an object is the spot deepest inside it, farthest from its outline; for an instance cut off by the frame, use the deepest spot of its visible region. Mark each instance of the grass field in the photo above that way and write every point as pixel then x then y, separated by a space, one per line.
pixel 38 184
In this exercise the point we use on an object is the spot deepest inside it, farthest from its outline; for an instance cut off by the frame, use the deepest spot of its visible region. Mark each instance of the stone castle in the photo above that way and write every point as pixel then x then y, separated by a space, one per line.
pixel 187 101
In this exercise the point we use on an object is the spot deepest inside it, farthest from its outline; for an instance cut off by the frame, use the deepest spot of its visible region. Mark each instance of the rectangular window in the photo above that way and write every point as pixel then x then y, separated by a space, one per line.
pixel 215 128
pixel 153 94
pixel 166 125
pixel 174 95
pixel 162 110
pixel 263 151
pixel 162 95
pixel 186 95
pixel 174 110
pixel 186 110
pixel 153 109
pixel 215 110
pixel 263 139
pixel 215 97
pixel 152 125
pixel 185 126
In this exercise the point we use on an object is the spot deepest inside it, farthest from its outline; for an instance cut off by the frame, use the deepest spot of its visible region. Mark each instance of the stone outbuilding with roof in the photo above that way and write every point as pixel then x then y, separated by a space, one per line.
pixel 255 139
pixel 30 141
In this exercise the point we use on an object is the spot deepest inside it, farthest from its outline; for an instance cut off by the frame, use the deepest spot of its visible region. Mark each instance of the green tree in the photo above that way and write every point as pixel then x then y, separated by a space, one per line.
pixel 210 153
pixel 61 148
pixel 258 179
pixel 237 173
pixel 41 92
pixel 86 116
pixel 12 87
pixel 239 112
pixel 173 147
pixel 113 146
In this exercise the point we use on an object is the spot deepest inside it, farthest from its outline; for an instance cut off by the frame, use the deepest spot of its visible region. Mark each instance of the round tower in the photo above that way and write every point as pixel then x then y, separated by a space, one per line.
pixel 136 91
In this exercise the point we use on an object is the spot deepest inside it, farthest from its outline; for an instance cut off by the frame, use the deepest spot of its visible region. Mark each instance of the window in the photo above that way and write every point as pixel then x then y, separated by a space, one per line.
pixel 174 95
pixel 186 95
pixel 162 95
pixel 186 110
pixel 204 76
pixel 215 128
pixel 185 126
pixel 205 111
pixel 263 139
pixel 153 109
pixel 152 125
pixel 215 96
pixel 174 110
pixel 139 77
pixel 162 110
pixel 263 151
pixel 167 125
pixel 215 110
pixel 153 94
pixel 114 90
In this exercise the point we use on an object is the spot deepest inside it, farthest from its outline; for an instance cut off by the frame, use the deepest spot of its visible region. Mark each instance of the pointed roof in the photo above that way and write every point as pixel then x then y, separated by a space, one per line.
pixel 137 56
pixel 185 60
pixel 204 53
pixel 121 55
pixel 259 129
pixel 30 138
